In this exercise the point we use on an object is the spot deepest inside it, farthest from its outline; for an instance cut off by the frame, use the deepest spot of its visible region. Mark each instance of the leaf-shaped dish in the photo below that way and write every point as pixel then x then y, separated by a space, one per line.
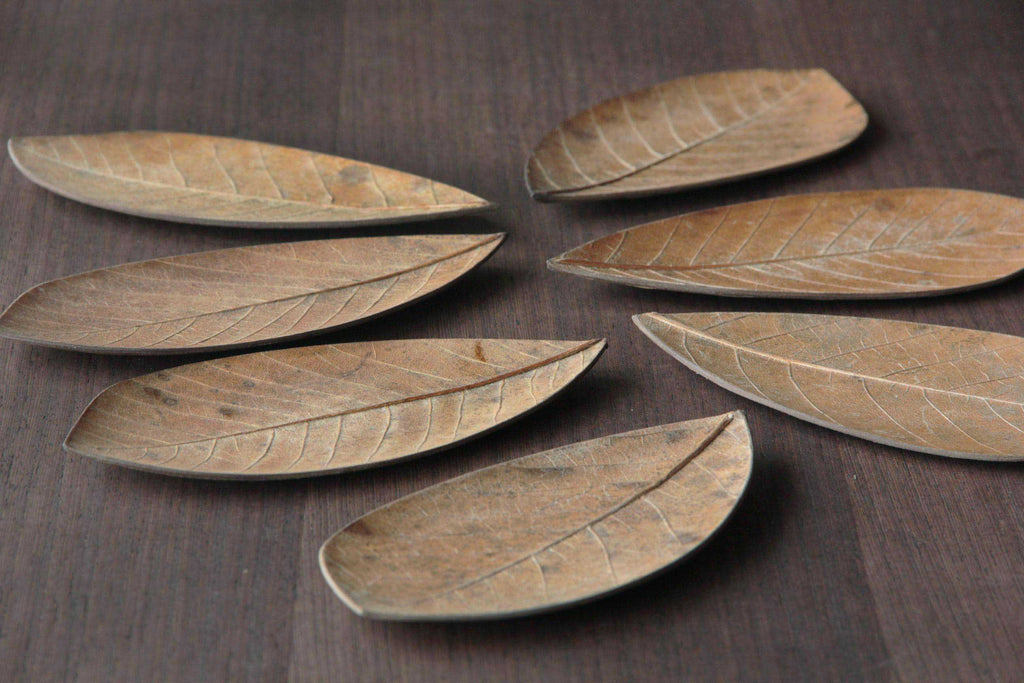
pixel 941 390
pixel 223 181
pixel 323 409
pixel 544 531
pixel 842 245
pixel 693 132
pixel 239 297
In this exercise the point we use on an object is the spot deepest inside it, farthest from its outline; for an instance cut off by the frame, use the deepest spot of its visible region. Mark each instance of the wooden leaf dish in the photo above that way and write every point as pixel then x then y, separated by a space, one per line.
pixel 222 181
pixel 322 409
pixel 941 390
pixel 694 131
pixel 842 245
pixel 240 297
pixel 544 531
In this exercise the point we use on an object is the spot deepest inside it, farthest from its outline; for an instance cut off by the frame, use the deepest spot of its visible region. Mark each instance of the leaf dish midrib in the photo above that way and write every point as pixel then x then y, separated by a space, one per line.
pixel 739 264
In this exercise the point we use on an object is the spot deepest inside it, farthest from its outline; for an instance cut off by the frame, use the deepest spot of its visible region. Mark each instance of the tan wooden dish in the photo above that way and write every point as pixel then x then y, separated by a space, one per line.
pixel 544 531
pixel 941 390
pixel 240 297
pixel 693 132
pixel 323 409
pixel 841 245
pixel 222 181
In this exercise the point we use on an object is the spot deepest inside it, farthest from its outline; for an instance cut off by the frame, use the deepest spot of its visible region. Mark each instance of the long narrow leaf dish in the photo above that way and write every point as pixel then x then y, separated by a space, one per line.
pixel 233 298
pixel 547 530
pixel 941 390
pixel 842 245
pixel 223 181
pixel 323 409
pixel 693 132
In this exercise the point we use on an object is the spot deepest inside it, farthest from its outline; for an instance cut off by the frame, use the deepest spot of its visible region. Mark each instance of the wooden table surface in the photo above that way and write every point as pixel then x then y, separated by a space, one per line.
pixel 846 560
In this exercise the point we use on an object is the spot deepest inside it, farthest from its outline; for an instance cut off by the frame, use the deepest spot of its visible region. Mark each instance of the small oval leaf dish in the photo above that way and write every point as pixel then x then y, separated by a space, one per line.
pixel 240 297
pixel 544 531
pixel 316 410
pixel 223 181
pixel 695 131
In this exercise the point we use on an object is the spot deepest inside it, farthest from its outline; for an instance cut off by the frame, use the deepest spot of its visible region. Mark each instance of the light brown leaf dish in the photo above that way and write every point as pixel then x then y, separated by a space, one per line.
pixel 222 181
pixel 693 132
pixel 842 245
pixel 941 390
pixel 544 531
pixel 322 409
pixel 239 297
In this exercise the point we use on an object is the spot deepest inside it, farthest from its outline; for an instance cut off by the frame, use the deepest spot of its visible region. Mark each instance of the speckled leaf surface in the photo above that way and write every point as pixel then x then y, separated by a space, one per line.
pixel 941 390
pixel 694 131
pixel 841 245
pixel 323 409
pixel 547 530
pixel 240 297
pixel 223 181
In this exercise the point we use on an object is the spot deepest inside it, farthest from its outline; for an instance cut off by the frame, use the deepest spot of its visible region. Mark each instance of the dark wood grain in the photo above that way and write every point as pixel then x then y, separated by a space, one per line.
pixel 847 560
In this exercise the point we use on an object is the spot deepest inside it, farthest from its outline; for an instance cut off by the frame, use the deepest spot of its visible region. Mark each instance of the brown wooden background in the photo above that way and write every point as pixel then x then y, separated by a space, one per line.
pixel 847 560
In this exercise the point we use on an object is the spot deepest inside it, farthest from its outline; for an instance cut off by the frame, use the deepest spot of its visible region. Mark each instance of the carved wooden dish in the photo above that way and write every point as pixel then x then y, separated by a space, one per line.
pixel 544 531
pixel 941 390
pixel 240 297
pixel 840 245
pixel 694 131
pixel 222 181
pixel 323 409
